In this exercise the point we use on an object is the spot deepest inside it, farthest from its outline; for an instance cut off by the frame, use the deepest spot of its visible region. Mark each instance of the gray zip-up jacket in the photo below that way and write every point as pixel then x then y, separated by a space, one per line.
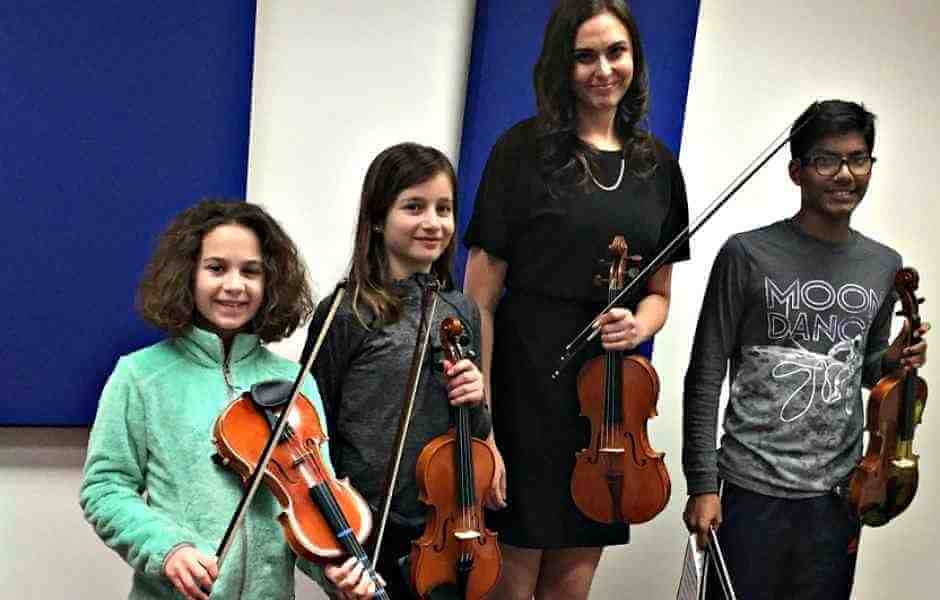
pixel 362 374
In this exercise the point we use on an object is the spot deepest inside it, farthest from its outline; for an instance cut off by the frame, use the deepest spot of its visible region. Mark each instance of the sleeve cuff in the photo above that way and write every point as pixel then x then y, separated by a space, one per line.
pixel 702 483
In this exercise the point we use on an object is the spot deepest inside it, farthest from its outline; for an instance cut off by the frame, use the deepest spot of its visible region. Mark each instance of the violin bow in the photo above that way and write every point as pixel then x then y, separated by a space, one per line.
pixel 716 558
pixel 631 289
pixel 254 482
pixel 429 297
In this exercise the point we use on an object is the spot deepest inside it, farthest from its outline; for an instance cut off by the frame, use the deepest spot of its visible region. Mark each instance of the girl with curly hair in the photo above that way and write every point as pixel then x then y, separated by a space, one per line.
pixel 556 189
pixel 224 280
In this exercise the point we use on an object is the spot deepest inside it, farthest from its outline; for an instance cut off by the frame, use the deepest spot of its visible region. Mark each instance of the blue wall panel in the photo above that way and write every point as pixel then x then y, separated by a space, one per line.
pixel 114 116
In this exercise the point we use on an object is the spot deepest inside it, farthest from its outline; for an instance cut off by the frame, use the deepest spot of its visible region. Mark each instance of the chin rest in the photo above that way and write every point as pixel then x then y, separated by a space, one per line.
pixel 271 393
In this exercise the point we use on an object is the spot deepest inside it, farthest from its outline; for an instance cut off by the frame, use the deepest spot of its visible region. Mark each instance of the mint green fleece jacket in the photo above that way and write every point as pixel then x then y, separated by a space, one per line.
pixel 150 484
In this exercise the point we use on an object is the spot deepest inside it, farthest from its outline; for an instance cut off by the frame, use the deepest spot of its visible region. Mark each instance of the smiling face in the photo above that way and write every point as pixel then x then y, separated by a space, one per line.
pixel 833 198
pixel 229 285
pixel 419 226
pixel 603 63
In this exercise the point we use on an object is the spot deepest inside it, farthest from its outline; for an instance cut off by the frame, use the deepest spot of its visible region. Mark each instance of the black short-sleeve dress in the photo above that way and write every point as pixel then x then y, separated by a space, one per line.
pixel 554 246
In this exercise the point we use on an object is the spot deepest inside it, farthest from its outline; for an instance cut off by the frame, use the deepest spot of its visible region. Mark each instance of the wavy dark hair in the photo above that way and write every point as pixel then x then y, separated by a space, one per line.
pixel 830 117
pixel 565 158
pixel 395 169
pixel 165 295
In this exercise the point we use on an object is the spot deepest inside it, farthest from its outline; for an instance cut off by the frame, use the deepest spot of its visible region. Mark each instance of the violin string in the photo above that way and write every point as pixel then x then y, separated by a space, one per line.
pixel 335 515
pixel 464 459
pixel 466 467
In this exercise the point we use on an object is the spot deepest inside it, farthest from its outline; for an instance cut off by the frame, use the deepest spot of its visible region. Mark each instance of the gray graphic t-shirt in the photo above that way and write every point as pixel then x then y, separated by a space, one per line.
pixel 803 324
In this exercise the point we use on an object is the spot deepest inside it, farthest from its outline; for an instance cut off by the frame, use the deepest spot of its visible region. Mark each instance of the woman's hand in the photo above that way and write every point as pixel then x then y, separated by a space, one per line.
pixel 496 499
pixel 702 512
pixel 351 580
pixel 191 572
pixel 464 383
pixel 620 330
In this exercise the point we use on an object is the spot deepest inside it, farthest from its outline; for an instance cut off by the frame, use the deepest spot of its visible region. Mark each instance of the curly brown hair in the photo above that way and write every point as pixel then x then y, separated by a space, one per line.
pixel 165 296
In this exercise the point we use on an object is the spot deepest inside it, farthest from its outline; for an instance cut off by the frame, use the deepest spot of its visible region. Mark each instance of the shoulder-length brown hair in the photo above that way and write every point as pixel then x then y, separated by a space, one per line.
pixel 165 296
pixel 395 169
pixel 565 158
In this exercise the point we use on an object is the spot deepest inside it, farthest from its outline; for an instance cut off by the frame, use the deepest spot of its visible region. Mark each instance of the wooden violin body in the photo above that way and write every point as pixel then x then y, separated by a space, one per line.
pixel 454 473
pixel 885 481
pixel 314 502
pixel 619 477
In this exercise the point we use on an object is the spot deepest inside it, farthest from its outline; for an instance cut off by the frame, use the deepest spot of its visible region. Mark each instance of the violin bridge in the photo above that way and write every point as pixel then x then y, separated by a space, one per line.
pixel 467 534
pixel 612 450
pixel 904 463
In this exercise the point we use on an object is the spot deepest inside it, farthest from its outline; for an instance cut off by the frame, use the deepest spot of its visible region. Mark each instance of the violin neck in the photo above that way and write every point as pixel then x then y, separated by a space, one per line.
pixel 909 392
pixel 906 412
pixel 466 493
pixel 613 380
pixel 324 499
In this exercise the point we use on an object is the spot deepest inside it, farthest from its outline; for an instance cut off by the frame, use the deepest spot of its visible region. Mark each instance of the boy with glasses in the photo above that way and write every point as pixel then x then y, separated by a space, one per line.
pixel 801 310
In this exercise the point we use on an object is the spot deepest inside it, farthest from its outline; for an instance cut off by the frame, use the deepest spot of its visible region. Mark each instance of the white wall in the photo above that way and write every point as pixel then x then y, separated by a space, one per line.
pixel 334 84
pixel 337 82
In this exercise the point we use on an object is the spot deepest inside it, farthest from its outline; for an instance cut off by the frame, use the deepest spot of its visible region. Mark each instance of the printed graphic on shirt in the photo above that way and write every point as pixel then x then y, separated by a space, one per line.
pixel 821 330
pixel 816 311
pixel 801 378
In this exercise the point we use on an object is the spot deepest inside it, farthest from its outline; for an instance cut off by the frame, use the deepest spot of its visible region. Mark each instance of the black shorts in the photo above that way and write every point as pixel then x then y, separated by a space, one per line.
pixel 783 548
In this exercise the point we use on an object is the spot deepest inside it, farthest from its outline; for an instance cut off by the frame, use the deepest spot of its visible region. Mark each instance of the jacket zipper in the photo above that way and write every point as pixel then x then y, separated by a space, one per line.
pixel 227 376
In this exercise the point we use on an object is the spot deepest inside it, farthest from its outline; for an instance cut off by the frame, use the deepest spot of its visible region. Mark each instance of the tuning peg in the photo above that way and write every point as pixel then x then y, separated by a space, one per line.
pixel 601 281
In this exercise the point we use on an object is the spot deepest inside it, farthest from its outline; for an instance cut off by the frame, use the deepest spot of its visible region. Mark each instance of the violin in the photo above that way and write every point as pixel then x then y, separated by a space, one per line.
pixel 316 505
pixel 883 484
pixel 619 477
pixel 272 433
pixel 454 473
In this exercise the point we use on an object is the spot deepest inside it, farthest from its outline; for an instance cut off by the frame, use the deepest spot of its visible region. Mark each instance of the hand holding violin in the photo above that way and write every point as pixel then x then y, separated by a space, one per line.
pixel 351 580
pixel 620 330
pixel 191 572
pixel 909 357
pixel 464 383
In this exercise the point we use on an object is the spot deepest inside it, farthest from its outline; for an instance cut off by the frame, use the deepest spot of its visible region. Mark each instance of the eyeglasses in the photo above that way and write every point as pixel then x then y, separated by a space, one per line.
pixel 828 165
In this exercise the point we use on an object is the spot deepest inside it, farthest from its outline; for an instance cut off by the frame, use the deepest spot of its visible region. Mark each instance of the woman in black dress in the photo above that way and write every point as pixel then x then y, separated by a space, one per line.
pixel 557 188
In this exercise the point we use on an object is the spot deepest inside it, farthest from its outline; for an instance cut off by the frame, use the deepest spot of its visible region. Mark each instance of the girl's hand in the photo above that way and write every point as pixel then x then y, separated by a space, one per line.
pixel 496 499
pixel 191 572
pixel 351 580
pixel 619 330
pixel 464 383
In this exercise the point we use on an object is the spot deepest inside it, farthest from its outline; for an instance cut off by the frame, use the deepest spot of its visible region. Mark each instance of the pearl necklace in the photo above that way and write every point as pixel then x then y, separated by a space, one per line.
pixel 604 187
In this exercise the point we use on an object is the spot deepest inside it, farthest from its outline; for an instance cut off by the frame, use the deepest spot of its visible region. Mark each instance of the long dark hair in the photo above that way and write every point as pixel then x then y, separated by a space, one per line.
pixel 565 158
pixel 395 169
pixel 165 295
